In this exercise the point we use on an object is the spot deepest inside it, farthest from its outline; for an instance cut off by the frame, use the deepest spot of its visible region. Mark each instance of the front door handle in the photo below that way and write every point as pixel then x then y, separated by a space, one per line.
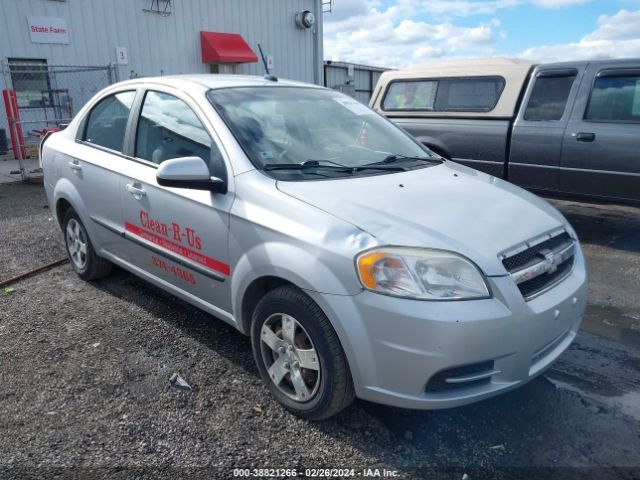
pixel 136 190
pixel 75 166
pixel 585 136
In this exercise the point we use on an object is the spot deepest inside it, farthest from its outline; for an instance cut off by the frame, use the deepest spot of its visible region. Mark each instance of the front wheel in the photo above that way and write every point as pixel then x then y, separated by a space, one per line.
pixel 299 356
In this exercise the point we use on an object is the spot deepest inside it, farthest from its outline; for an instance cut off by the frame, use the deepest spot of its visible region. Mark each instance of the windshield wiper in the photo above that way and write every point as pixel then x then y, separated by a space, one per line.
pixel 329 165
pixel 397 157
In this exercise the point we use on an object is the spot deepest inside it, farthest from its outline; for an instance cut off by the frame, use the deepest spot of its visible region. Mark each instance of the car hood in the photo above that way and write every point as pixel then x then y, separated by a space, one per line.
pixel 447 206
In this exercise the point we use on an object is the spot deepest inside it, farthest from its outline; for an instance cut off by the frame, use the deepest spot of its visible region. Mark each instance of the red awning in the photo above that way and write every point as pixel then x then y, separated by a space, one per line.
pixel 225 48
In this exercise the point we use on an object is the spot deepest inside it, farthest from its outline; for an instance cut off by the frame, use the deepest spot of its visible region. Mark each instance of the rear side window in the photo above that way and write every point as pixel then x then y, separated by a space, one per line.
pixel 107 121
pixel 548 98
pixel 468 94
pixel 472 94
pixel 411 95
pixel 615 98
pixel 168 128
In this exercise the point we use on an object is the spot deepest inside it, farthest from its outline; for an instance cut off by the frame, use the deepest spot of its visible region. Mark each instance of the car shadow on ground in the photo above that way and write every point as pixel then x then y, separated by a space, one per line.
pixel 534 426
pixel 213 333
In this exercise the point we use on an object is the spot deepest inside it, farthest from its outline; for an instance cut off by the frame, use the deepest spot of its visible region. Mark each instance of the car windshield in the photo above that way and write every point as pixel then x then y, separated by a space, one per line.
pixel 298 133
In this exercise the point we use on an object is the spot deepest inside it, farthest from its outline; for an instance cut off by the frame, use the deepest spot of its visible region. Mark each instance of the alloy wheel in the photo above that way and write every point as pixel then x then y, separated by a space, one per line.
pixel 290 357
pixel 77 243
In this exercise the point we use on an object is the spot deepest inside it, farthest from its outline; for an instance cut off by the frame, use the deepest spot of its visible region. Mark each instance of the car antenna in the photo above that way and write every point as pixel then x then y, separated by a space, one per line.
pixel 267 75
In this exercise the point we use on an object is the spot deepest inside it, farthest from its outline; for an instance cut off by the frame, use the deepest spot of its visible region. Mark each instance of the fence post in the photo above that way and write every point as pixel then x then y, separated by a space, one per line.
pixel 5 75
pixel 111 73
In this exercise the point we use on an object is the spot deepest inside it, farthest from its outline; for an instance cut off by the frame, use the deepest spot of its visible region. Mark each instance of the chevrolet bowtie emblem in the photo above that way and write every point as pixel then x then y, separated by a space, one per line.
pixel 550 264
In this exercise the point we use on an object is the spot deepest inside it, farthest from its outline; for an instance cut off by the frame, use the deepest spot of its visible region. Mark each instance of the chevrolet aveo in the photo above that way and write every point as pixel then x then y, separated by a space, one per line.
pixel 359 262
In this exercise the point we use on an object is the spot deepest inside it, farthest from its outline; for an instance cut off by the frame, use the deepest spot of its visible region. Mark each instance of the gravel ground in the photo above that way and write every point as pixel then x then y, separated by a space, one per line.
pixel 30 235
pixel 85 369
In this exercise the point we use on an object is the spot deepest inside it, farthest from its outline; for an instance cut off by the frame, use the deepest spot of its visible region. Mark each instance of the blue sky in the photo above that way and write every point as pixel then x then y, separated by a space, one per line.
pixel 399 33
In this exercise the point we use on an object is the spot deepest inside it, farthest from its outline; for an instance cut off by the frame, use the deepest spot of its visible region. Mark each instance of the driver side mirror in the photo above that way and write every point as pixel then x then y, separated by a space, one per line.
pixel 189 172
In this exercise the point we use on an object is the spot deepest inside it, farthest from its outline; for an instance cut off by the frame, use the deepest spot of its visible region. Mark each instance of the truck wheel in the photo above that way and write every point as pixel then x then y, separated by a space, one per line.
pixel 299 356
pixel 84 260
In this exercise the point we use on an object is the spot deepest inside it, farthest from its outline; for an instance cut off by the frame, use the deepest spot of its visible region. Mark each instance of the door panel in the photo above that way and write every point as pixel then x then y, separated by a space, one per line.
pixel 96 176
pixel 177 235
pixel 94 162
pixel 536 140
pixel 601 144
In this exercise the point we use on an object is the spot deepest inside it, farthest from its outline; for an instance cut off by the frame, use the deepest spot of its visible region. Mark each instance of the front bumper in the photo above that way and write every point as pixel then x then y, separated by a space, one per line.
pixel 397 348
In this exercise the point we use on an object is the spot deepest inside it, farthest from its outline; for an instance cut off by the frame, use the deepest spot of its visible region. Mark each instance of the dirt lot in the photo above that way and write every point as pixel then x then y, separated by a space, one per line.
pixel 85 367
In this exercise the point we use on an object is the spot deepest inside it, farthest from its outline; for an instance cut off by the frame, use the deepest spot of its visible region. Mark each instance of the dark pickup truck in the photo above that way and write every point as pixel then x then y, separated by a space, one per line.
pixel 569 129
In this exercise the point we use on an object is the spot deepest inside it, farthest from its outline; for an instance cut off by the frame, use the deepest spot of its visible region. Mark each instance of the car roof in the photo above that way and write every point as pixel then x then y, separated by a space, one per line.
pixel 214 81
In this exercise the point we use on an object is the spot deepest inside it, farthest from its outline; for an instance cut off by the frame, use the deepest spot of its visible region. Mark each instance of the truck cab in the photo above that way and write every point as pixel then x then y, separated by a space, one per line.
pixel 570 128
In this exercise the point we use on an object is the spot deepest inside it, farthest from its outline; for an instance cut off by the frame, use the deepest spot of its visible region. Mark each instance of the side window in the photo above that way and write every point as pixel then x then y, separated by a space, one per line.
pixel 413 95
pixel 107 121
pixel 478 94
pixel 548 98
pixel 615 98
pixel 168 128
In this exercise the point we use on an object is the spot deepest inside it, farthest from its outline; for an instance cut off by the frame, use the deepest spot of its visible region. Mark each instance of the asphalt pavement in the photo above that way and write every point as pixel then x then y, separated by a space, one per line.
pixel 85 391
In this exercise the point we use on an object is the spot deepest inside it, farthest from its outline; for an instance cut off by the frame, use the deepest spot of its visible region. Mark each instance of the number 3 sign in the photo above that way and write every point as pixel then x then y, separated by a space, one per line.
pixel 121 56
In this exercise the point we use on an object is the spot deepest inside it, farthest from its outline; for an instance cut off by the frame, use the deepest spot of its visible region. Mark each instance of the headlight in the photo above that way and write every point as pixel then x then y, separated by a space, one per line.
pixel 421 274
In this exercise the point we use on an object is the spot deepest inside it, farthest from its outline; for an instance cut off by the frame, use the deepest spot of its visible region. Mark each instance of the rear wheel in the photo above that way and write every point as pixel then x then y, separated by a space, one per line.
pixel 299 356
pixel 84 260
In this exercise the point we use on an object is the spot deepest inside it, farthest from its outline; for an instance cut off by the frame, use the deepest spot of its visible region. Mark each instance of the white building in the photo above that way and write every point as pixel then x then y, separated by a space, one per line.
pixel 119 39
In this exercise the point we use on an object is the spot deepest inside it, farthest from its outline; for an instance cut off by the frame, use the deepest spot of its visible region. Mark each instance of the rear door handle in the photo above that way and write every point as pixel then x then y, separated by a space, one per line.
pixel 136 190
pixel 585 136
pixel 75 166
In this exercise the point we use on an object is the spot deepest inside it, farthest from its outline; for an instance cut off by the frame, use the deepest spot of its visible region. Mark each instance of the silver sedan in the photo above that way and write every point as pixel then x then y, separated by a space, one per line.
pixel 358 261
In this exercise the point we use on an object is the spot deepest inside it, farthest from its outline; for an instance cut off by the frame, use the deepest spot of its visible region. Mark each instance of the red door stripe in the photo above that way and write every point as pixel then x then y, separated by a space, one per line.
pixel 181 250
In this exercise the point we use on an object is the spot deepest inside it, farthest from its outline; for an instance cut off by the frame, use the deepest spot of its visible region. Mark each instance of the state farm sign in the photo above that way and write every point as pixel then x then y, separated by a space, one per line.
pixel 48 30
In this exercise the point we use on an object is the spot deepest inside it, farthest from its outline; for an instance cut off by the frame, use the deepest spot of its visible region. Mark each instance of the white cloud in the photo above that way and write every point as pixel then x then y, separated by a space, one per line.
pixel 617 36
pixel 362 31
pixel 621 26
pixel 348 8
pixel 557 3
pixel 461 8
pixel 392 38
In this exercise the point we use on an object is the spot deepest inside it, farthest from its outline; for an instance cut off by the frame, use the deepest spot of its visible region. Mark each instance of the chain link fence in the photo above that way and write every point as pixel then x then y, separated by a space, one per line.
pixel 42 97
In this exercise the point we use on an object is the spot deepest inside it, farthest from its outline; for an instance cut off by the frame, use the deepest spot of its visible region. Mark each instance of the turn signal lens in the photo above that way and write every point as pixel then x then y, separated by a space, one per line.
pixel 420 274
pixel 366 264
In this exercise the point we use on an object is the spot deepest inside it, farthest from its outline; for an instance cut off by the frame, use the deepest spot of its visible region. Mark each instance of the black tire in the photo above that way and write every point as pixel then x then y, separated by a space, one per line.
pixel 334 390
pixel 95 267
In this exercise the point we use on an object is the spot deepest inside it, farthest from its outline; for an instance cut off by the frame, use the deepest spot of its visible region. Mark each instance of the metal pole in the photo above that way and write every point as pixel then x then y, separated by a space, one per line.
pixel 317 38
pixel 5 75
pixel 112 72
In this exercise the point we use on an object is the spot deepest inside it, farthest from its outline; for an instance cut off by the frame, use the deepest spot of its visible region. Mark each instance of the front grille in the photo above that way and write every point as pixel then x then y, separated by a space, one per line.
pixel 537 256
pixel 519 260
pixel 438 383
pixel 536 285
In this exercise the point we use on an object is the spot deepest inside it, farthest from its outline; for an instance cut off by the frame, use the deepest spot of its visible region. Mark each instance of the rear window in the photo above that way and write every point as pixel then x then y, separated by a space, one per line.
pixel 615 98
pixel 473 94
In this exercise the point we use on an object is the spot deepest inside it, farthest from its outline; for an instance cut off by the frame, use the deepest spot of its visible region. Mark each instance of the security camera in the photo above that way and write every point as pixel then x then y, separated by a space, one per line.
pixel 305 19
